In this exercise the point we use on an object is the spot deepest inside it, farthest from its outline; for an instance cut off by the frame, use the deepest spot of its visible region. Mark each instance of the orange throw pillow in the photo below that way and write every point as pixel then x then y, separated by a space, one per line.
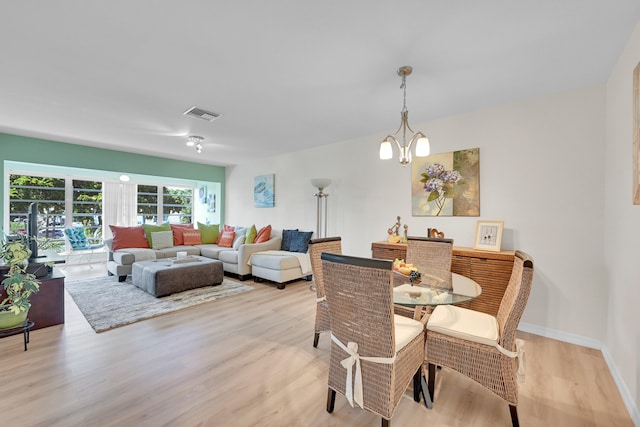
pixel 225 227
pixel 226 239
pixel 191 237
pixel 263 235
pixel 178 229
pixel 128 237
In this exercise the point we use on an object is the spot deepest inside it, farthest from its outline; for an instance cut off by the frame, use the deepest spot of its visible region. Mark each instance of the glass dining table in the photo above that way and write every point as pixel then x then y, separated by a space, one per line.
pixel 431 289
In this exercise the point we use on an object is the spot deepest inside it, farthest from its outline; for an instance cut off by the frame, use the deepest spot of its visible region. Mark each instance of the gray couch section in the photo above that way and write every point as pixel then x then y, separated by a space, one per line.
pixel 119 263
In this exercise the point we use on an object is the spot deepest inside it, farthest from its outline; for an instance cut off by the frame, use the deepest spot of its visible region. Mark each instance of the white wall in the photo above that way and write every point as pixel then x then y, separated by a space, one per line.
pixel 622 224
pixel 541 170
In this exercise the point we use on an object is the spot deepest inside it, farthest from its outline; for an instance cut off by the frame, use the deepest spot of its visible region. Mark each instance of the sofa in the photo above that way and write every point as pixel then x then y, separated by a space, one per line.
pixel 235 260
pixel 278 259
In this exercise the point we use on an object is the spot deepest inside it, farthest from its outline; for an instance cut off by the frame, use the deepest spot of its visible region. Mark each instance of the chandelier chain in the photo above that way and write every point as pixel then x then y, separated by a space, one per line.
pixel 403 86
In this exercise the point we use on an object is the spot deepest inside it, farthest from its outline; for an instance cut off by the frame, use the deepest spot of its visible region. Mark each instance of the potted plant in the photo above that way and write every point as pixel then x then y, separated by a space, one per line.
pixel 18 284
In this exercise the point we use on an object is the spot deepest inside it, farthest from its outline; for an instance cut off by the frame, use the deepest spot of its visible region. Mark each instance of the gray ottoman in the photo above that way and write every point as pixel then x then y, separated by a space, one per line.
pixel 163 277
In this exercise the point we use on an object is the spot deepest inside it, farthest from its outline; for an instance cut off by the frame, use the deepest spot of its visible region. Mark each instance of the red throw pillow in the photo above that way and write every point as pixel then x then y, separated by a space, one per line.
pixel 225 227
pixel 191 237
pixel 178 229
pixel 128 237
pixel 226 239
pixel 263 235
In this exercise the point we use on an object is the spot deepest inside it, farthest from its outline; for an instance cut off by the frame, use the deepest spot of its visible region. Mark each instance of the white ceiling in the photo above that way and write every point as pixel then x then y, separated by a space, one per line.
pixel 286 75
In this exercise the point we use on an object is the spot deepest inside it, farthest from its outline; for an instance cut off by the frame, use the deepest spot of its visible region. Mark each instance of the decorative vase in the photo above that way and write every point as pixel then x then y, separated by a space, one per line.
pixel 10 320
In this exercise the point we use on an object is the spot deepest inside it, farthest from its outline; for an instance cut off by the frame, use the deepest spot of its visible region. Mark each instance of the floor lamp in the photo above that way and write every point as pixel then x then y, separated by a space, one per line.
pixel 321 184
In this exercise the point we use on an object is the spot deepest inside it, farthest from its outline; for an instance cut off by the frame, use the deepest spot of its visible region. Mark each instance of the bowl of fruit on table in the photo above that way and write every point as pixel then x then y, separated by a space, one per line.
pixel 408 270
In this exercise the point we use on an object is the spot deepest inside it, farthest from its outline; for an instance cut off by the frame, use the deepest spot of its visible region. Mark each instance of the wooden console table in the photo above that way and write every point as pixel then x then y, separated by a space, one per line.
pixel 47 305
pixel 491 270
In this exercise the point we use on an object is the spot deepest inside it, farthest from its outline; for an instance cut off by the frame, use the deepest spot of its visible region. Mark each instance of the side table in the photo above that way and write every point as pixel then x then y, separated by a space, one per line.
pixel 24 329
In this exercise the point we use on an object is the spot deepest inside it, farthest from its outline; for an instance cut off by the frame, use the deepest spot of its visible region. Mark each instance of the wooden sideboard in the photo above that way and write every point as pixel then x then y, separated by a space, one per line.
pixel 47 305
pixel 491 270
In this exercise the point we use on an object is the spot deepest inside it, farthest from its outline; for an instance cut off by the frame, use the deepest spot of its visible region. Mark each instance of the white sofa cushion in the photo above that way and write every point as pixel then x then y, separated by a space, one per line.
pixel 283 261
pixel 130 255
pixel 464 324
pixel 172 252
pixel 212 250
pixel 228 256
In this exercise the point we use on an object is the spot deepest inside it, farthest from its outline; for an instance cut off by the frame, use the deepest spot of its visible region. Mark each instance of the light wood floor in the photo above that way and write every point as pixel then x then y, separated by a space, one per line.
pixel 248 360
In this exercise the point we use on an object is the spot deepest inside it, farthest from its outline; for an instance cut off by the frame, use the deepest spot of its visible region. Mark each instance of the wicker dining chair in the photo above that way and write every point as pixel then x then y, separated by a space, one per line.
pixel 374 353
pixel 316 248
pixel 481 346
pixel 433 256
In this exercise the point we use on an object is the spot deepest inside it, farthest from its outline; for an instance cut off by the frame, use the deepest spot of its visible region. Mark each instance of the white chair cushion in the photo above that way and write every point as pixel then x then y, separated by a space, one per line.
pixel 406 330
pixel 465 324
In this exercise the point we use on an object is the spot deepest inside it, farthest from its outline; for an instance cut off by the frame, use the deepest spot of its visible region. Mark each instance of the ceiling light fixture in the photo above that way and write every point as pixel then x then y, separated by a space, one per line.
pixel 422 142
pixel 195 141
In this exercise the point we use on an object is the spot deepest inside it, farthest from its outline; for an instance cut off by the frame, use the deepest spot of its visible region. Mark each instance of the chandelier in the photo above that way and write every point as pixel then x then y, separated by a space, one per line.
pixel 420 139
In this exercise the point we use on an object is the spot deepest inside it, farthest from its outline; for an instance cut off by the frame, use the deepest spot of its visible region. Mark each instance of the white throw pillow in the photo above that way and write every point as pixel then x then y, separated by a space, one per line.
pixel 240 237
pixel 161 239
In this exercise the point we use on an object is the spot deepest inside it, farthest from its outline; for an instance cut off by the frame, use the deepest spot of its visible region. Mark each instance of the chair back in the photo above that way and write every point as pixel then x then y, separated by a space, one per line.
pixel 515 299
pixel 77 238
pixel 432 255
pixel 331 245
pixel 360 298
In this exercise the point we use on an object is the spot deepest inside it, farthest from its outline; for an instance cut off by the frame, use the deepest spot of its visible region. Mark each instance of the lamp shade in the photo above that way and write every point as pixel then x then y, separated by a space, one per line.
pixel 423 147
pixel 320 183
pixel 386 151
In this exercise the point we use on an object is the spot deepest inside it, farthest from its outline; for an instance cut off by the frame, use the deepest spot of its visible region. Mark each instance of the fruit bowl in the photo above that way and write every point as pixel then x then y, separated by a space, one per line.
pixel 408 271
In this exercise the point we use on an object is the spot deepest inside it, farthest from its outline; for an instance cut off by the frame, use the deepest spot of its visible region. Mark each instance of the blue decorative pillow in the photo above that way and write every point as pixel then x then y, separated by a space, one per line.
pixel 300 241
pixel 286 239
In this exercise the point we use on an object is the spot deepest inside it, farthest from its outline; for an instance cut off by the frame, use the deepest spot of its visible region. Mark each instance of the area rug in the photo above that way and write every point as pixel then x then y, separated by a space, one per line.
pixel 107 303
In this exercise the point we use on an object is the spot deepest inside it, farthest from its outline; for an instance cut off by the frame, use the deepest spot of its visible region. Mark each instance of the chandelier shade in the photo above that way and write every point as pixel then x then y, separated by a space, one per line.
pixel 421 141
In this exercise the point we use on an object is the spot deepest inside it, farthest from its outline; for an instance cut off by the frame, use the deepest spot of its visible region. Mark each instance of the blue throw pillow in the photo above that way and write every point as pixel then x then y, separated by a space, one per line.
pixel 300 241
pixel 286 239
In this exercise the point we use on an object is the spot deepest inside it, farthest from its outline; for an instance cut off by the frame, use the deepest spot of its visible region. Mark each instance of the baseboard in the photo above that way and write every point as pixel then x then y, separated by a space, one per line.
pixel 590 343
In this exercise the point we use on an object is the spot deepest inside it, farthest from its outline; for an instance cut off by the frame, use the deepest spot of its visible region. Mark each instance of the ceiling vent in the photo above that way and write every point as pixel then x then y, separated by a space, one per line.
pixel 199 113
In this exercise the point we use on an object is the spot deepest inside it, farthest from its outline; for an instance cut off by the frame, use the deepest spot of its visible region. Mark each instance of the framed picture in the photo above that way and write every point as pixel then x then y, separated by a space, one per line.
pixel 203 194
pixel 489 235
pixel 263 191
pixel 446 184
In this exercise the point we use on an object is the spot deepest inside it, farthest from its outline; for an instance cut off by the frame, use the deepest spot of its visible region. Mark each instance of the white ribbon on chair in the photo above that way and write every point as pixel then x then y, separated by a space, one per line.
pixel 519 353
pixel 321 299
pixel 353 389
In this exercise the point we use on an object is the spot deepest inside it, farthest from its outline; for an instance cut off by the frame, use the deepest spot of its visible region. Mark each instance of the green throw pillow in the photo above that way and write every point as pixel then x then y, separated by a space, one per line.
pixel 251 234
pixel 209 233
pixel 150 228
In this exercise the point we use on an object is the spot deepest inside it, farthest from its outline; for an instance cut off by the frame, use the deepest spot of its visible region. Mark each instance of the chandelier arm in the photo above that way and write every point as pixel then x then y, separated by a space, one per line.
pixel 393 138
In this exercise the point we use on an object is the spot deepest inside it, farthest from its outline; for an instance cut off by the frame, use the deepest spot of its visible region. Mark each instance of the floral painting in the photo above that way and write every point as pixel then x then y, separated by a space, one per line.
pixel 263 193
pixel 446 184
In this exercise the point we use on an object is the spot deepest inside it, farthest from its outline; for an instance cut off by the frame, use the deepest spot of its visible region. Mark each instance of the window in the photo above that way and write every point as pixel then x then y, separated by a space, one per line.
pixel 87 206
pixel 49 194
pixel 147 204
pixel 177 205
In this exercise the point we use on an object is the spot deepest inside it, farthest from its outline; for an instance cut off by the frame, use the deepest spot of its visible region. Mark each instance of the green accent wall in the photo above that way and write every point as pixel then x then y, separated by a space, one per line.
pixel 41 151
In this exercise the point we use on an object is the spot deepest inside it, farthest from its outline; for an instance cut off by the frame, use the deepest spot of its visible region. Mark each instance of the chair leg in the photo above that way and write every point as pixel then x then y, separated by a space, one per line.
pixel 316 337
pixel 514 416
pixel 331 400
pixel 417 384
pixel 432 380
pixel 386 423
